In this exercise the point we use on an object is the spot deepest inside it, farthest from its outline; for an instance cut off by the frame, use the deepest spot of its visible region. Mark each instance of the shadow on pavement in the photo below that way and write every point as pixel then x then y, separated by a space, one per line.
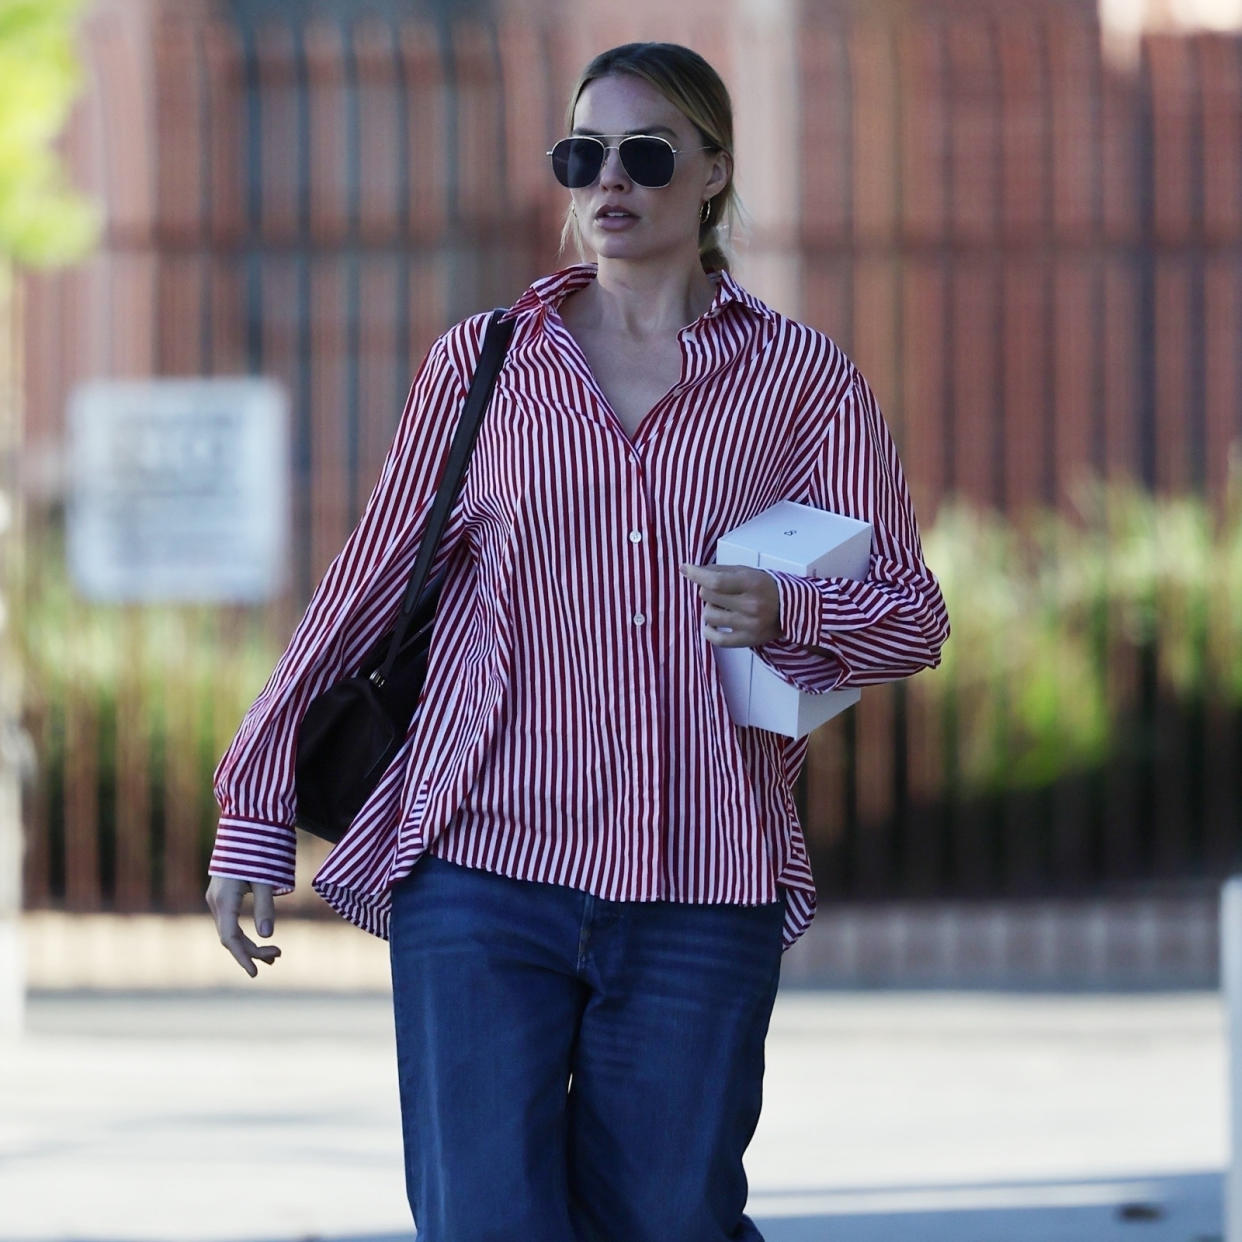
pixel 1183 1208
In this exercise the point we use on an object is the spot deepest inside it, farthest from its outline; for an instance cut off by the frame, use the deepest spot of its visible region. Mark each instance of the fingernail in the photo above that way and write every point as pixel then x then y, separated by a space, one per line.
pixel 265 927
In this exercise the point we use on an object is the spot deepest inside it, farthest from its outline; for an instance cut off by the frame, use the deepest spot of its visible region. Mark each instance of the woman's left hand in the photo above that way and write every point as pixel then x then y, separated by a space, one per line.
pixel 741 606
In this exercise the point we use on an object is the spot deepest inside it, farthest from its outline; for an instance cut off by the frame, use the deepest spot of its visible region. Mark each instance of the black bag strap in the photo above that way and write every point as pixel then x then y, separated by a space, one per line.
pixel 492 355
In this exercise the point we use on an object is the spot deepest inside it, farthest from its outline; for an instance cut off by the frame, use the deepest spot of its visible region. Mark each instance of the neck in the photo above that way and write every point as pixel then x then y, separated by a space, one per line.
pixel 644 300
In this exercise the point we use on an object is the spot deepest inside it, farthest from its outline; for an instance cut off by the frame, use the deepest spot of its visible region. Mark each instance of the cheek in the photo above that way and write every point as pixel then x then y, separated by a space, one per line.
pixel 676 205
pixel 684 211
pixel 687 195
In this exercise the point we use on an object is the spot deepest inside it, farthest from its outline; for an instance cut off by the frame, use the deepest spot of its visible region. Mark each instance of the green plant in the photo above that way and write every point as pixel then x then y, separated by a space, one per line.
pixel 41 220
pixel 1045 614
pixel 1068 633
pixel 153 693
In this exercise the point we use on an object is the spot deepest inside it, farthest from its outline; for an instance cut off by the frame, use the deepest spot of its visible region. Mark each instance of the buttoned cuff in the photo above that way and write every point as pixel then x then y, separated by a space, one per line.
pixel 798 656
pixel 801 607
pixel 254 851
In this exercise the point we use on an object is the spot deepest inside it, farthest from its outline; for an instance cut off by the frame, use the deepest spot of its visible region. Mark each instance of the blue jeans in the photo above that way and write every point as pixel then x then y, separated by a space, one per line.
pixel 574 1069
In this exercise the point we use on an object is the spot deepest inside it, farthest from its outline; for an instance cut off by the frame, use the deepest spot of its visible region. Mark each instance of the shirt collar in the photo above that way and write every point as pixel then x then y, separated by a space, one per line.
pixel 729 291
pixel 549 291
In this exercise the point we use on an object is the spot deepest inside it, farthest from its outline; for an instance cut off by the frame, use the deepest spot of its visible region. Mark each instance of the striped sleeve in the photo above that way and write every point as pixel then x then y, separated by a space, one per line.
pixel 348 613
pixel 839 632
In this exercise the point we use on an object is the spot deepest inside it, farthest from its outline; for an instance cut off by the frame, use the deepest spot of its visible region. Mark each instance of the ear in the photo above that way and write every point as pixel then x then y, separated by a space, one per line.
pixel 720 171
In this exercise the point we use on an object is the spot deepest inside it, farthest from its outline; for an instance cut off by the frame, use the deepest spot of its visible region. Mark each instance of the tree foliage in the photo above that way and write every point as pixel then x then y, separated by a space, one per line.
pixel 42 220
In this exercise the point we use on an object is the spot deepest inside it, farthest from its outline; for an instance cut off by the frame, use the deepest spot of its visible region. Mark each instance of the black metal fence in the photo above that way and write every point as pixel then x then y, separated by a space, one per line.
pixel 1035 257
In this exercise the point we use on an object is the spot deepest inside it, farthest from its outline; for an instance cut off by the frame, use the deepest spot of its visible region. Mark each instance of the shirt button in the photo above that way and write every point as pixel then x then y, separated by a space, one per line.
pixel 639 619
pixel 636 536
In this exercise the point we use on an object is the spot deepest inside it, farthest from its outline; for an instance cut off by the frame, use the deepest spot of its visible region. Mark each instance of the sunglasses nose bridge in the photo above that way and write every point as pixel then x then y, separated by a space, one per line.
pixel 611 163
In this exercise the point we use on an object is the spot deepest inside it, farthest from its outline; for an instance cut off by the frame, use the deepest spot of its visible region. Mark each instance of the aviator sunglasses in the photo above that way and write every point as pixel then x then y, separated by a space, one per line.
pixel 648 161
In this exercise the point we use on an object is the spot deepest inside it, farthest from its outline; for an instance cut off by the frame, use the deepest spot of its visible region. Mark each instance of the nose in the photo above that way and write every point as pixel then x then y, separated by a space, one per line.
pixel 612 171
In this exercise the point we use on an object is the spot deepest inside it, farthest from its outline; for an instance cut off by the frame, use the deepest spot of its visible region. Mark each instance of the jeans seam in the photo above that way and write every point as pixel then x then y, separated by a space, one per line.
pixel 584 932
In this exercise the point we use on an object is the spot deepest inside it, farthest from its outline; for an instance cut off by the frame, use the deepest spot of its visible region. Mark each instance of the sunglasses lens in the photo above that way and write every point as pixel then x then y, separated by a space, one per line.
pixel 576 161
pixel 649 161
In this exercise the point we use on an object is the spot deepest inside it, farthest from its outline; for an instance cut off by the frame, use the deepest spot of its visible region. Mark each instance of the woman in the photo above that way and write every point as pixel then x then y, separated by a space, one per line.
pixel 586 871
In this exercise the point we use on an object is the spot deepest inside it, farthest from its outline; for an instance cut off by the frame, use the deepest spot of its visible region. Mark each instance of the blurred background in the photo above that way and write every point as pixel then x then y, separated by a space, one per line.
pixel 1024 222
pixel 1022 218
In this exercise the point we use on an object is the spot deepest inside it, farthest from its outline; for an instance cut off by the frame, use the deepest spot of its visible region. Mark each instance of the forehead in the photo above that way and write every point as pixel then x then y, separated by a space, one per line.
pixel 624 104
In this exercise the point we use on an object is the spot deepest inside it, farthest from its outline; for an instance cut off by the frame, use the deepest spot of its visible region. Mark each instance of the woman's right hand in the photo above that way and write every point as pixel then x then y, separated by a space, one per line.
pixel 224 898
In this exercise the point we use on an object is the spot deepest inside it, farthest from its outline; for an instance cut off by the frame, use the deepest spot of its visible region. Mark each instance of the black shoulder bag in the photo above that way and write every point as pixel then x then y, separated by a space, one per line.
pixel 352 731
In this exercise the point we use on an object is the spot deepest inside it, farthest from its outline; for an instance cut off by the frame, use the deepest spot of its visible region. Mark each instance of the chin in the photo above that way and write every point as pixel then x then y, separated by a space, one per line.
pixel 635 250
pixel 609 244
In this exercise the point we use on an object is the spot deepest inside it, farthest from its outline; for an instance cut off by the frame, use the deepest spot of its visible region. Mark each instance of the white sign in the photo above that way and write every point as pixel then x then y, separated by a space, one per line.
pixel 179 489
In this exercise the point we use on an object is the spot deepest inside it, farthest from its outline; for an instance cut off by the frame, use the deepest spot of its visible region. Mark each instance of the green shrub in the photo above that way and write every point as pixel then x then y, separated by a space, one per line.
pixel 1066 632
pixel 1047 617
pixel 161 689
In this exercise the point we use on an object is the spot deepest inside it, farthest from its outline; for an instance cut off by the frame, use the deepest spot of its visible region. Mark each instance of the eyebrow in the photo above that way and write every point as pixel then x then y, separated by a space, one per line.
pixel 580 132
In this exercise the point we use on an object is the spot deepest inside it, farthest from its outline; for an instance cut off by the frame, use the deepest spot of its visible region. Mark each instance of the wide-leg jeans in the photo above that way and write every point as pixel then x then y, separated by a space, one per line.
pixel 574 1069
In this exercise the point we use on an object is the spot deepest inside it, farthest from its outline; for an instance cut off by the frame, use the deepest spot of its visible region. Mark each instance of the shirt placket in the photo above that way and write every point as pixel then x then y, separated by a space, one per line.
pixel 640 622
pixel 661 435
pixel 644 623
pixel 649 622
pixel 643 619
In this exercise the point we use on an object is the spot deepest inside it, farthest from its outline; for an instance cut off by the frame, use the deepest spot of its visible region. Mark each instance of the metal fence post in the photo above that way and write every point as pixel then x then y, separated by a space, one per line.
pixel 12 972
pixel 1231 984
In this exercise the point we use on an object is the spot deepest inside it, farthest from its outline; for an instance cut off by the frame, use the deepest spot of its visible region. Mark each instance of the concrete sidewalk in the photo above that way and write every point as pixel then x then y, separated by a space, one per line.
pixel 258 1116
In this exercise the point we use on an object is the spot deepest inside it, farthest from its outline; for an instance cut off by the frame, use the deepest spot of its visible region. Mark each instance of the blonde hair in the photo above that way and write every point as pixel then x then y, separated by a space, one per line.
pixel 694 88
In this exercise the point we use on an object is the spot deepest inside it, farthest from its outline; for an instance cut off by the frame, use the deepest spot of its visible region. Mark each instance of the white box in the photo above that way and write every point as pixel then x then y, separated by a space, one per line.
pixel 795 539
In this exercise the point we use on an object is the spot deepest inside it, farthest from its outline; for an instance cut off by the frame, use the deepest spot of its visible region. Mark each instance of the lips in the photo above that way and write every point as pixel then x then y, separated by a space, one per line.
pixel 613 211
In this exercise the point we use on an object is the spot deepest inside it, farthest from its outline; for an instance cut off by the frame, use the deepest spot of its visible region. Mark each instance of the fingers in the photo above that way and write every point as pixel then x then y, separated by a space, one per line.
pixel 718 618
pixel 264 909
pixel 224 897
pixel 721 579
pixel 728 638
pixel 723 628
pixel 741 606
pixel 246 952
pixel 735 587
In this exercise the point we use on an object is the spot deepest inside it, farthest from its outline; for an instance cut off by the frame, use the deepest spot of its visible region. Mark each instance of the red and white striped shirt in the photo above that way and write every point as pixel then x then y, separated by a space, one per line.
pixel 573 728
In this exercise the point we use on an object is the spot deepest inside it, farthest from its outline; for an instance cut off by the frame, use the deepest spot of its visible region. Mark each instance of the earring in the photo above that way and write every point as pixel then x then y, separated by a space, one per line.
pixel 705 210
